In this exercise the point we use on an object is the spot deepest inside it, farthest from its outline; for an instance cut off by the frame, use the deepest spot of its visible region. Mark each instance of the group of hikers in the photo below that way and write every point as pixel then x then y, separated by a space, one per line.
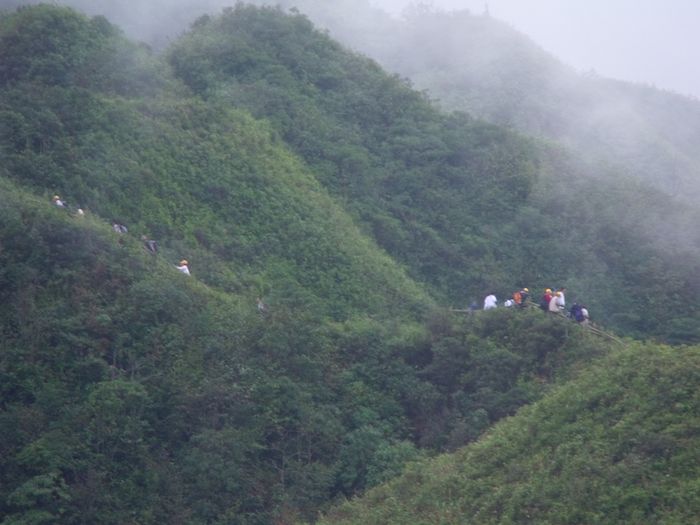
pixel 57 201
pixel 551 301
pixel 149 244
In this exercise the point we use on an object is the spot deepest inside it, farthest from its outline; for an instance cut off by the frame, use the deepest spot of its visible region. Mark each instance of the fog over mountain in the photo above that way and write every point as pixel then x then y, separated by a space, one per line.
pixel 649 41
pixel 640 41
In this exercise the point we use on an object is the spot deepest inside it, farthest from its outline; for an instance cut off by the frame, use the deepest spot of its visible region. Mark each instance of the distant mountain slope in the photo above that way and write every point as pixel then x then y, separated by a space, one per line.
pixel 478 64
pixel 618 445
pixel 465 207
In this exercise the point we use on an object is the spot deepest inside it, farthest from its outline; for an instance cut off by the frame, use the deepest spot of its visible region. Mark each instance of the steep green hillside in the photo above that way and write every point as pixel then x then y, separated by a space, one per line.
pixel 424 184
pixel 618 445
pixel 95 119
pixel 465 206
pixel 130 393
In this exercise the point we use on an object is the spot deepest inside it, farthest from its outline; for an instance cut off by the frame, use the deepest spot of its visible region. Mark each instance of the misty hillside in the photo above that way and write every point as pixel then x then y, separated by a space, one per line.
pixel 288 169
pixel 478 64
pixel 463 205
pixel 633 145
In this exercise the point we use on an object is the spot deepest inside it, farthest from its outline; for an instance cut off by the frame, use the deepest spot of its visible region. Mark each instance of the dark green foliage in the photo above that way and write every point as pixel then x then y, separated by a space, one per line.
pixel 617 445
pixel 130 393
pixel 61 48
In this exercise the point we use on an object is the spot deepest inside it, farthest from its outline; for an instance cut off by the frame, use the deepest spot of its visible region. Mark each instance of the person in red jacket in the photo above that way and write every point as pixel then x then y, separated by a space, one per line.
pixel 544 302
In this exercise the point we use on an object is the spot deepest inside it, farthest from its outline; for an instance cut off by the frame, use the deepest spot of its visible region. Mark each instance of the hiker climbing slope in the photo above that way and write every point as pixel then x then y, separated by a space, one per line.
pixel 149 244
pixel 490 302
pixel 58 202
pixel 555 306
pixel 546 298
pixel 183 267
pixel 524 296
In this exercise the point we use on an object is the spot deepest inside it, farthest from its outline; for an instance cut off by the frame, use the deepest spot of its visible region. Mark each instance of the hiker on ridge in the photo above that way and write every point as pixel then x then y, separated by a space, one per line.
pixel 490 302
pixel 524 296
pixel 576 312
pixel 584 313
pixel 119 228
pixel 561 302
pixel 183 267
pixel 554 303
pixel 546 298
pixel 150 244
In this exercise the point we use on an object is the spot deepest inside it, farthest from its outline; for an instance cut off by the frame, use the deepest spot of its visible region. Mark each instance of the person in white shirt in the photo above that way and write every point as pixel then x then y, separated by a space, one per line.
pixel 586 318
pixel 490 302
pixel 58 202
pixel 561 300
pixel 554 303
pixel 183 267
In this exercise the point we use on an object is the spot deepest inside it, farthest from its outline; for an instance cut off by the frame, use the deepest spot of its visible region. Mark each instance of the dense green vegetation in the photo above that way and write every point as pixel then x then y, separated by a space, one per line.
pixel 465 206
pixel 618 445
pixel 283 167
pixel 131 392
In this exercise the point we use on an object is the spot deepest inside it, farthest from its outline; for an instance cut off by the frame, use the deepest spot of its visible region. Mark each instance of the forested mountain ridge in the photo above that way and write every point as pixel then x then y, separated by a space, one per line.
pixel 624 176
pixel 195 176
pixel 133 393
pixel 465 206
pixel 478 64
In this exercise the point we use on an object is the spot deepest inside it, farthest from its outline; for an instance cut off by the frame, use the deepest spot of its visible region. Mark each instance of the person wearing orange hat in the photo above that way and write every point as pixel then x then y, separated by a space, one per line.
pixel 58 202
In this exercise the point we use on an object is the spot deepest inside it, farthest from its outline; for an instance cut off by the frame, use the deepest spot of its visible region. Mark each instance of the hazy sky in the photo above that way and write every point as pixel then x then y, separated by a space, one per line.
pixel 651 41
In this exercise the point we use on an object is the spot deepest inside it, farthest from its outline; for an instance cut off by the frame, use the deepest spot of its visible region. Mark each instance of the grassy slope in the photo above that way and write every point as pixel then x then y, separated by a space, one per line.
pixel 617 445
